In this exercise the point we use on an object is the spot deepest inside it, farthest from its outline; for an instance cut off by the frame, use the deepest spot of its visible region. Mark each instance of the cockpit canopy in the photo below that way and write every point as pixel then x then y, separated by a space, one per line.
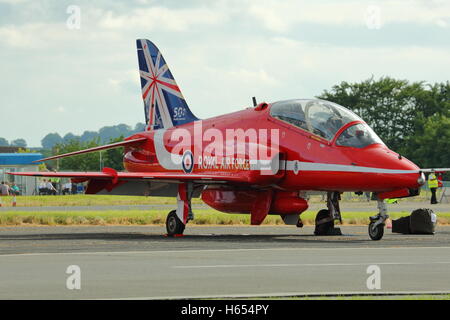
pixel 324 118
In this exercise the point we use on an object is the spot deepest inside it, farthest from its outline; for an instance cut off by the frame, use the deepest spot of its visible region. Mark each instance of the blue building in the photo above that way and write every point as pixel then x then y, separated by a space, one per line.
pixel 20 162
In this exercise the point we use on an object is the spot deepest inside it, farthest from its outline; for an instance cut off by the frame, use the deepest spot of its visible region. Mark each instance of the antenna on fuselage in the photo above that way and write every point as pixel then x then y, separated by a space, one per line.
pixel 254 102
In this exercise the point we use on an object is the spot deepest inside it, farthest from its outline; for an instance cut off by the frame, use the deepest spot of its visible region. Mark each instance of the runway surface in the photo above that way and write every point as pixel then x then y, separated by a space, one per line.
pixel 220 261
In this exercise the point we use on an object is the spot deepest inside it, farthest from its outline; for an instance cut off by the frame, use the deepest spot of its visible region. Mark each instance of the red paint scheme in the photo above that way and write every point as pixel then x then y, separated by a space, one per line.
pixel 274 164
pixel 243 201
pixel 245 188
pixel 295 144
pixel 400 193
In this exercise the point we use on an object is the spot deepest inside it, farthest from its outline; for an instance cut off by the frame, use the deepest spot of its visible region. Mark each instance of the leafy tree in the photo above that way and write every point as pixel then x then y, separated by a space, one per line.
pixel 50 140
pixel 84 162
pixel 89 135
pixel 112 132
pixel 105 134
pixel 114 157
pixel 111 158
pixel 19 143
pixel 429 148
pixel 397 110
pixel 70 136
pixel 4 142
pixel 139 127
pixel 26 150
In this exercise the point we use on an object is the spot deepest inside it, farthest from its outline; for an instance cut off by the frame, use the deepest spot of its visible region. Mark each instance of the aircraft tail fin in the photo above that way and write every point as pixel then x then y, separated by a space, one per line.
pixel 164 104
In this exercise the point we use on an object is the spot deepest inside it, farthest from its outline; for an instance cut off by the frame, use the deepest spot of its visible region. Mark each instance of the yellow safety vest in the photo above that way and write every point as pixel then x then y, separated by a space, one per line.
pixel 432 181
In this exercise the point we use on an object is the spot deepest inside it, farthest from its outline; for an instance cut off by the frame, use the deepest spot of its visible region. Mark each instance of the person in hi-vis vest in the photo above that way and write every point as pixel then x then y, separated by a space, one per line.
pixel 433 185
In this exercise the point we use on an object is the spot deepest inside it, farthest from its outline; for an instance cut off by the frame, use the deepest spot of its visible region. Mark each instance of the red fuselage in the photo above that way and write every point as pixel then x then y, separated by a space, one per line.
pixel 321 164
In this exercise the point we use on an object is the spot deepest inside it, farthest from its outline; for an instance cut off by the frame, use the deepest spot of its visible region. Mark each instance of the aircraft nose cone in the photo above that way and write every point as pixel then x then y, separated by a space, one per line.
pixel 393 171
pixel 421 180
pixel 407 174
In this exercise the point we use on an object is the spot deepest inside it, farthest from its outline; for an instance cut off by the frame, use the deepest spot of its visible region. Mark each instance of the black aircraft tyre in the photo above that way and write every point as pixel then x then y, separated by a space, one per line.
pixel 377 232
pixel 324 228
pixel 173 224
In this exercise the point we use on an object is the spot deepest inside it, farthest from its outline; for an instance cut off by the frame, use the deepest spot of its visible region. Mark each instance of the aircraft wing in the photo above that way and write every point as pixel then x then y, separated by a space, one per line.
pixel 111 174
pixel 111 182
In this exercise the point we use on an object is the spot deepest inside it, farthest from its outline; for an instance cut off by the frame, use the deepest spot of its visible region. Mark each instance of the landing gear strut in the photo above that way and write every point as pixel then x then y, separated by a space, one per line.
pixel 376 225
pixel 177 219
pixel 325 218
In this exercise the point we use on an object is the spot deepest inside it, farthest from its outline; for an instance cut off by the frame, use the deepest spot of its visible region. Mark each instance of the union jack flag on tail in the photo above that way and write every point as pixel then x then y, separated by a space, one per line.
pixel 164 104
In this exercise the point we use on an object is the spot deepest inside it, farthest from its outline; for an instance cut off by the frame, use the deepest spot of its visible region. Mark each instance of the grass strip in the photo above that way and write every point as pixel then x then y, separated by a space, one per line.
pixel 102 200
pixel 158 217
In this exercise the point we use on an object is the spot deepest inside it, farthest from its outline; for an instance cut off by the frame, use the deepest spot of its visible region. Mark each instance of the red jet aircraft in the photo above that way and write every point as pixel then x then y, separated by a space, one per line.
pixel 262 160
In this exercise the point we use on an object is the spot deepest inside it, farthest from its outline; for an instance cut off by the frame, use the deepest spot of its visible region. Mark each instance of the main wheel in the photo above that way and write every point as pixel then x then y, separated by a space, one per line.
pixel 323 228
pixel 173 224
pixel 376 233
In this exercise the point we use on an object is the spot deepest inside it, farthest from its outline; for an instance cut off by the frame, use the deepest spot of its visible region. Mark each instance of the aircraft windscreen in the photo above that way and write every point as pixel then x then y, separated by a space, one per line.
pixel 326 118
pixel 358 136
pixel 320 117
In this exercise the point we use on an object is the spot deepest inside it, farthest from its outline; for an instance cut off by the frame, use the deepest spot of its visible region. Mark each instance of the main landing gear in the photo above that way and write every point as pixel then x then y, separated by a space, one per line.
pixel 325 218
pixel 173 224
pixel 376 225
pixel 177 219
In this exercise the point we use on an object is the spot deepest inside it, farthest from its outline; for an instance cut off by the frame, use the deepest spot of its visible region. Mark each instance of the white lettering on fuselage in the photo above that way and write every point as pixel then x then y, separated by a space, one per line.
pixel 223 163
pixel 237 149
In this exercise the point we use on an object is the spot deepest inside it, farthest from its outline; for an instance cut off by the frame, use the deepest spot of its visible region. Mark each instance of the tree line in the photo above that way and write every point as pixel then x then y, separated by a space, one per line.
pixel 104 135
pixel 21 143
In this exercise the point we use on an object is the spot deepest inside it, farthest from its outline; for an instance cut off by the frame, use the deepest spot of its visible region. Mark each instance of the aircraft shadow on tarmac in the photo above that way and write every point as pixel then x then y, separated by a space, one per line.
pixel 213 238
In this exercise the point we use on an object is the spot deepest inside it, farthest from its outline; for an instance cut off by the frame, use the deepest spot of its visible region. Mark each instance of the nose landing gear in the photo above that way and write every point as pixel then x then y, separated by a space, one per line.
pixel 376 225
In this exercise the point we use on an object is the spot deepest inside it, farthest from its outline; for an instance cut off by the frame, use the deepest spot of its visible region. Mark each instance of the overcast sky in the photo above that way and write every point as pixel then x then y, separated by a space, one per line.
pixel 221 53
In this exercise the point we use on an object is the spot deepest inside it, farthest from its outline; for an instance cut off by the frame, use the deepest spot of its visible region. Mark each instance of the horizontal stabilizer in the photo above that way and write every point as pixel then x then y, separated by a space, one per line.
pixel 99 148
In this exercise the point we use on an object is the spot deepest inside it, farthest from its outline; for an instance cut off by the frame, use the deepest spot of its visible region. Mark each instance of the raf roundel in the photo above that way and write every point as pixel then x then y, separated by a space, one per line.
pixel 187 161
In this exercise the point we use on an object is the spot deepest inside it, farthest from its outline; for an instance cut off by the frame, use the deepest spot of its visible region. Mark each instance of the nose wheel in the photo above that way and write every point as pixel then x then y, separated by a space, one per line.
pixel 376 225
pixel 376 231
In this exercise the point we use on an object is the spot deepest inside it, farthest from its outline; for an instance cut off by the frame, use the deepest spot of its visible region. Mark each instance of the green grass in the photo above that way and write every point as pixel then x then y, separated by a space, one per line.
pixel 103 200
pixel 158 217
pixel 87 200
pixel 145 217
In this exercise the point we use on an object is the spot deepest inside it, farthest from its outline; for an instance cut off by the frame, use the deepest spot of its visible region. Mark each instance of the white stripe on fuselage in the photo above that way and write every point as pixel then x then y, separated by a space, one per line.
pixel 171 161
pixel 166 159
pixel 313 166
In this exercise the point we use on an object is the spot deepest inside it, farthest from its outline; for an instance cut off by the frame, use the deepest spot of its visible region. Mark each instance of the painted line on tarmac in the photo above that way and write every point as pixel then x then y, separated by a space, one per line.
pixel 209 250
pixel 306 265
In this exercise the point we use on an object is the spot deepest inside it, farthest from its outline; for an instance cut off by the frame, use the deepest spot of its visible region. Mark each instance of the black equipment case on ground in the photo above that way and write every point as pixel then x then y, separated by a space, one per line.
pixel 421 221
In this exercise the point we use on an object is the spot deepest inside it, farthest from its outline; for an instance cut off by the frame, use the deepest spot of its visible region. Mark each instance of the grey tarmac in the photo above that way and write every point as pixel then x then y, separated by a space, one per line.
pixel 129 262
